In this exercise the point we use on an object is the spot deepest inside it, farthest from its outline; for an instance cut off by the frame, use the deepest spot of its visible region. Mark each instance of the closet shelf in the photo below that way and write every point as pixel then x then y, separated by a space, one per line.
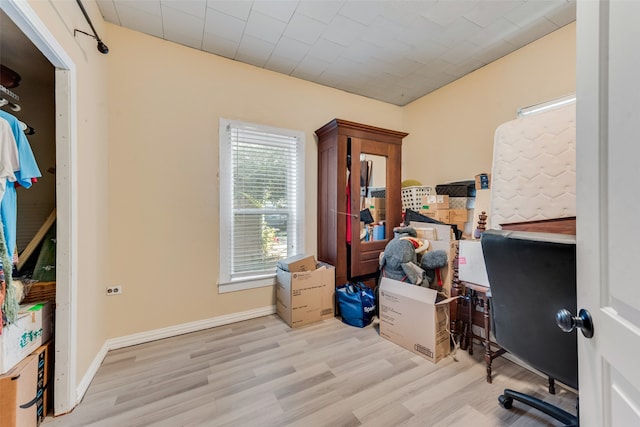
pixel 9 93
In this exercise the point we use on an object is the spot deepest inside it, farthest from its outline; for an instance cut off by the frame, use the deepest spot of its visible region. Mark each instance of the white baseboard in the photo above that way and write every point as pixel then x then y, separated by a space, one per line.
pixel 157 334
pixel 185 328
pixel 91 372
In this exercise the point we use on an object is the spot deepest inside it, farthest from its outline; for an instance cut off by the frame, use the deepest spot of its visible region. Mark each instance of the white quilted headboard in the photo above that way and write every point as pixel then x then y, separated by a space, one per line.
pixel 534 168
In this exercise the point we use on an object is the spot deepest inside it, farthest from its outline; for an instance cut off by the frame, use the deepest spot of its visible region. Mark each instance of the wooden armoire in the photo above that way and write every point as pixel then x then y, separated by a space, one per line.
pixel 347 149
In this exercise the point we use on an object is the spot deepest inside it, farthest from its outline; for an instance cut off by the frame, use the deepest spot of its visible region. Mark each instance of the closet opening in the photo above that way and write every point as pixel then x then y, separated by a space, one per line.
pixel 37 76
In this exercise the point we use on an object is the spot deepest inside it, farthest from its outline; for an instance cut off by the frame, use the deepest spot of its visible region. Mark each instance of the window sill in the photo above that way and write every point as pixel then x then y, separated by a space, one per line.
pixel 247 283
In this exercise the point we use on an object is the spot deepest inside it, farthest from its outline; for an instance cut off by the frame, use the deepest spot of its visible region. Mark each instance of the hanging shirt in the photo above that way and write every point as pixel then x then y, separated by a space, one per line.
pixel 24 177
pixel 8 155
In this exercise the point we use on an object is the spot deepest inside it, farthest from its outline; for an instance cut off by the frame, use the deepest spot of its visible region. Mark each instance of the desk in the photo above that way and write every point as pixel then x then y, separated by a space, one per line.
pixel 476 294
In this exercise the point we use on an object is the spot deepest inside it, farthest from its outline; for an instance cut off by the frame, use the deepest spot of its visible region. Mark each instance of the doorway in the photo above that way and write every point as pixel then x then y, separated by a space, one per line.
pixel 36 40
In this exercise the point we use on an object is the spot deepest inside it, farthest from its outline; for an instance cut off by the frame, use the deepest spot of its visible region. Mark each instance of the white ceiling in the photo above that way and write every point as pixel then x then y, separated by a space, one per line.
pixel 393 51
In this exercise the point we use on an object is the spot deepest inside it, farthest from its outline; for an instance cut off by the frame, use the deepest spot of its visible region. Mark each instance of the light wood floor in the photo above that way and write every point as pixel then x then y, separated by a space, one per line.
pixel 262 373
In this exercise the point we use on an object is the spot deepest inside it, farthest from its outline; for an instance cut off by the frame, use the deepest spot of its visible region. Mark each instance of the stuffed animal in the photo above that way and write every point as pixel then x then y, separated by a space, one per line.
pixel 432 262
pixel 399 259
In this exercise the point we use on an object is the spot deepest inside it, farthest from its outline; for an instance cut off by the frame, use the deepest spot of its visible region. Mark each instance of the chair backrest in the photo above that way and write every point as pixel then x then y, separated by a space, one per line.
pixel 532 276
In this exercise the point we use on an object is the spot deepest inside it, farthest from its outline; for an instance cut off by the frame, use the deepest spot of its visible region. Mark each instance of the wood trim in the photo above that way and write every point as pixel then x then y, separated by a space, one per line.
pixel 360 130
pixel 554 225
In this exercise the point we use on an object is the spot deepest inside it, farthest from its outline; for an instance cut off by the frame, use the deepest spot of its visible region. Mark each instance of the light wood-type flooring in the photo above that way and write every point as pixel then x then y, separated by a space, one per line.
pixel 261 373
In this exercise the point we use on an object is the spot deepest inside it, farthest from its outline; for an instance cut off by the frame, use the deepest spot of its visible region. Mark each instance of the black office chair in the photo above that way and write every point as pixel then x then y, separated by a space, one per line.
pixel 533 276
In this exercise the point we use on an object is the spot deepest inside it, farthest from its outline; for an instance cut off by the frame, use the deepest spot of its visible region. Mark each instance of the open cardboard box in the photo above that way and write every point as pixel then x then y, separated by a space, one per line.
pixel 442 238
pixel 305 297
pixel 415 318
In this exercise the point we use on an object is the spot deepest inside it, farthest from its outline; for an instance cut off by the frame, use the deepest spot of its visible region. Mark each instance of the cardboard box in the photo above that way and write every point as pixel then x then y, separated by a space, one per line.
pixel 483 181
pixel 375 202
pixel 298 263
pixel 441 215
pixel 436 201
pixel 305 297
pixel 446 273
pixel 31 329
pixel 378 215
pixel 26 389
pixel 471 267
pixel 458 215
pixel 414 318
pixel 443 231
pixel 426 233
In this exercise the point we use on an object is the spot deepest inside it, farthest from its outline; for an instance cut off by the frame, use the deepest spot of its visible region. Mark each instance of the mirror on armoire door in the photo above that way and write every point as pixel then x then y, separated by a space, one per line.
pixel 372 204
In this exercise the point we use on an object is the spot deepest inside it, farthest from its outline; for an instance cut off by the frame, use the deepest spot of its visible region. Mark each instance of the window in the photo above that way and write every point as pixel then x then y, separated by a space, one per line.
pixel 261 202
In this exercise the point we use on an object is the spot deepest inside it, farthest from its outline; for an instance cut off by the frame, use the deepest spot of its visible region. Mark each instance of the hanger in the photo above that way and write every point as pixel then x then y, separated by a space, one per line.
pixel 28 130
pixel 12 106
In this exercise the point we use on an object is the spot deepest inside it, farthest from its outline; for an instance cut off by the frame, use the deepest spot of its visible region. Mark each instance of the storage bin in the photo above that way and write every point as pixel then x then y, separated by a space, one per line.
pixel 412 197
pixel 458 189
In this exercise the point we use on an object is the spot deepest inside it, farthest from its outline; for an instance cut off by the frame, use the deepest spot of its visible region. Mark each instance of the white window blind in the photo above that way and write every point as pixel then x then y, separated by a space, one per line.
pixel 261 188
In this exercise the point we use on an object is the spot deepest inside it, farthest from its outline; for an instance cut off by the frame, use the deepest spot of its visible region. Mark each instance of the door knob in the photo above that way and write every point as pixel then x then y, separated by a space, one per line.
pixel 567 322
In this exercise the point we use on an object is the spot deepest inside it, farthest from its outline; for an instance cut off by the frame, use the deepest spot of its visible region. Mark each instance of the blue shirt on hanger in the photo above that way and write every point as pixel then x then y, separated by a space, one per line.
pixel 28 170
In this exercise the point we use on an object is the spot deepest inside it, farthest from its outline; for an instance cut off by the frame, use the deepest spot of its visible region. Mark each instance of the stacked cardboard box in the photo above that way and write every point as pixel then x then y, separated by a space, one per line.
pixel 304 295
pixel 461 204
pixel 32 328
pixel 298 263
pixel 436 207
pixel 377 206
pixel 461 213
pixel 26 389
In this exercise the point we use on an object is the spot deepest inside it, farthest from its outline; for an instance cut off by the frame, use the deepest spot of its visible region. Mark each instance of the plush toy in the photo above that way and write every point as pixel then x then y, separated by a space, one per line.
pixel 432 262
pixel 399 259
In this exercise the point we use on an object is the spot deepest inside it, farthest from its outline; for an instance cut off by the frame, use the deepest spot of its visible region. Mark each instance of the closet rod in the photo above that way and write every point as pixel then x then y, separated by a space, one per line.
pixel 10 93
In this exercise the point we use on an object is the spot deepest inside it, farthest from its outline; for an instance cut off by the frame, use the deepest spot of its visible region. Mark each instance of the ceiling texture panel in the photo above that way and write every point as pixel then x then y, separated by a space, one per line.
pixel 392 51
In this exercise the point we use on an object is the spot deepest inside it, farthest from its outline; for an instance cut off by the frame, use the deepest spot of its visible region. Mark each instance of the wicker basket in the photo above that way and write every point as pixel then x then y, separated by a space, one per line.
pixel 41 291
pixel 412 197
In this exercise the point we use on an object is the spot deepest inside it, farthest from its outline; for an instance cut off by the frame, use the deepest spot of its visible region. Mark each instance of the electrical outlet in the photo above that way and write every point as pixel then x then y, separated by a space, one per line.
pixel 114 290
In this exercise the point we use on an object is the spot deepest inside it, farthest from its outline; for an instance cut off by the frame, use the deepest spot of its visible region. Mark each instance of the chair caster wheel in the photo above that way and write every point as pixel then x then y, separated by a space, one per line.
pixel 505 401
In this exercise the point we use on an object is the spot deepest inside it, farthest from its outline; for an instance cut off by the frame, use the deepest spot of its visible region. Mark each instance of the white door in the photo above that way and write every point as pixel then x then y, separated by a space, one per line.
pixel 608 168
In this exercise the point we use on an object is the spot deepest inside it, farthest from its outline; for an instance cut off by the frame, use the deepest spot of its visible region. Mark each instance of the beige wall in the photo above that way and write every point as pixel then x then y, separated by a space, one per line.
pixel 91 146
pixel 451 130
pixel 165 101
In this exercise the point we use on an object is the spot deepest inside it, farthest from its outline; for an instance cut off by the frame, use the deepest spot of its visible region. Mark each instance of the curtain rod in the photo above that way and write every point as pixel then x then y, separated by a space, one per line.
pixel 102 48
pixel 545 106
